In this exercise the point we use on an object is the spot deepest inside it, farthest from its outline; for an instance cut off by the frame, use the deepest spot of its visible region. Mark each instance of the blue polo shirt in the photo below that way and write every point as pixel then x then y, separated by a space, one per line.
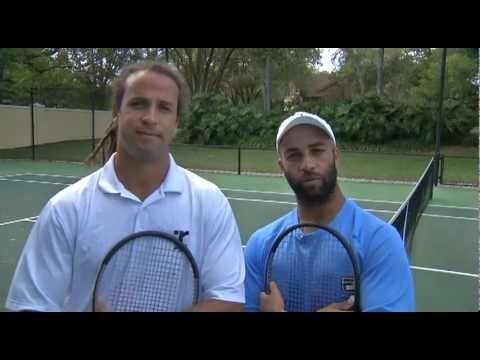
pixel 385 276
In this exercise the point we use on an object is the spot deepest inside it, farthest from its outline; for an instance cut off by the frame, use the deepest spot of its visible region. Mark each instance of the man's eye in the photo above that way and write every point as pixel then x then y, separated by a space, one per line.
pixel 138 104
pixel 164 107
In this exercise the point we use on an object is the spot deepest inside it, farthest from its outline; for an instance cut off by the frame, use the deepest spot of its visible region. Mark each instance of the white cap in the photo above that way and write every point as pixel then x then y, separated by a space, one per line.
pixel 304 118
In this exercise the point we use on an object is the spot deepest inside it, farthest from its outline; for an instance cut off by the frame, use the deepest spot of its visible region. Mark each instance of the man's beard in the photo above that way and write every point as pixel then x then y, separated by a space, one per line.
pixel 311 197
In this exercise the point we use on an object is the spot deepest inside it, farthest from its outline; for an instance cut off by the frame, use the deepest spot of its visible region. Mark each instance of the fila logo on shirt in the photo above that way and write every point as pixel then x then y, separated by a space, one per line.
pixel 348 284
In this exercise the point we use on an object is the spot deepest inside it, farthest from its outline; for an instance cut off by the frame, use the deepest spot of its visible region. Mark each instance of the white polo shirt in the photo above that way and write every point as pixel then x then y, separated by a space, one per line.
pixel 57 268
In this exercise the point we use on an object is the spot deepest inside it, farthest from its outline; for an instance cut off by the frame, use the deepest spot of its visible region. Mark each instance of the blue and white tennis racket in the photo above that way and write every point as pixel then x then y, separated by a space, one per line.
pixel 313 269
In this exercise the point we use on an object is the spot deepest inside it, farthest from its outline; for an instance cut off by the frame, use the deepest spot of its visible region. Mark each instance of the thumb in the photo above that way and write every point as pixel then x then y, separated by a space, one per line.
pixel 274 290
pixel 100 305
pixel 346 305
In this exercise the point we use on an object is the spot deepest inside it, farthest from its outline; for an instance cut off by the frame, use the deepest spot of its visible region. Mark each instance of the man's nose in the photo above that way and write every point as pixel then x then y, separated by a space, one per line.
pixel 150 115
pixel 307 164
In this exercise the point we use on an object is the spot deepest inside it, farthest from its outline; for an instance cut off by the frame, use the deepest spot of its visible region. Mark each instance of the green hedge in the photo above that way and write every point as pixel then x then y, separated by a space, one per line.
pixel 213 120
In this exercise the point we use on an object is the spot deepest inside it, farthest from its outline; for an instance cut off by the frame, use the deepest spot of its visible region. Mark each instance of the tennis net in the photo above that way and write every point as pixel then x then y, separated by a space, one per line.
pixel 406 218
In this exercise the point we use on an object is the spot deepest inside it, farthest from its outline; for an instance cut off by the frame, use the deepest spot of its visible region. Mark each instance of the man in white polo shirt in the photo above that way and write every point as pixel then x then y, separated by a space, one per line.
pixel 139 188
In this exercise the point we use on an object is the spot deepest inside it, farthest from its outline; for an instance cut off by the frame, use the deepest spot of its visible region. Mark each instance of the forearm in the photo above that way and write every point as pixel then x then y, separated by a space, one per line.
pixel 217 305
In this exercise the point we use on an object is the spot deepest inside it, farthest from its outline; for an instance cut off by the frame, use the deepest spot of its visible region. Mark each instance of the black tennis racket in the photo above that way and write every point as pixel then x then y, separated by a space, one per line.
pixel 147 271
pixel 313 270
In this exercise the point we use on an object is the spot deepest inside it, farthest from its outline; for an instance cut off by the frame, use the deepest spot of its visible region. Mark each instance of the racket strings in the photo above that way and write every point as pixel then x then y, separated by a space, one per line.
pixel 147 274
pixel 310 270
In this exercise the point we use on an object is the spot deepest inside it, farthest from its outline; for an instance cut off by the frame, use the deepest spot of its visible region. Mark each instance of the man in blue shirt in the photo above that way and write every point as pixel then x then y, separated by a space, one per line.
pixel 307 155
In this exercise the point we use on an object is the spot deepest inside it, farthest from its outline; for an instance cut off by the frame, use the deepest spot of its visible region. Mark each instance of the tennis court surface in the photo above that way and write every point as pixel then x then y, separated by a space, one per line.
pixel 444 252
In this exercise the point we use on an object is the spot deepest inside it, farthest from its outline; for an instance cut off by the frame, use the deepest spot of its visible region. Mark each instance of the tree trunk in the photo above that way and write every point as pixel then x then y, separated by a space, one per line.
pixel 380 71
pixel 357 66
pixel 361 80
pixel 267 85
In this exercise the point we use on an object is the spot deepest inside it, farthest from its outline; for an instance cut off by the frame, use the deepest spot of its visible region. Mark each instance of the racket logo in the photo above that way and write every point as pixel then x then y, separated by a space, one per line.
pixel 181 234
pixel 348 284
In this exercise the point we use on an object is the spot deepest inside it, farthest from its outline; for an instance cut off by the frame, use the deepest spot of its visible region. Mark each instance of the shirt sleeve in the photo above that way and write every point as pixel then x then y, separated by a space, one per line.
pixel 386 279
pixel 223 273
pixel 254 277
pixel 42 277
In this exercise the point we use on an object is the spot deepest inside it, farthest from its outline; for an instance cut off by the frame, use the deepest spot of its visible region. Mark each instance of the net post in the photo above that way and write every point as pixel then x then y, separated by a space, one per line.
pixel 436 172
pixel 405 232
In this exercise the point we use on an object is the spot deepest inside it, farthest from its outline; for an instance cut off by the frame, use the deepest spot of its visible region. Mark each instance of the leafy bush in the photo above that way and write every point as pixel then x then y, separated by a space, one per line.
pixel 215 120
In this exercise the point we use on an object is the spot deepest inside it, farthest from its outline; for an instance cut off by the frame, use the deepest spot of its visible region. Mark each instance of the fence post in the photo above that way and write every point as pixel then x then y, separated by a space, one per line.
pixel 93 118
pixel 239 171
pixel 438 132
pixel 32 121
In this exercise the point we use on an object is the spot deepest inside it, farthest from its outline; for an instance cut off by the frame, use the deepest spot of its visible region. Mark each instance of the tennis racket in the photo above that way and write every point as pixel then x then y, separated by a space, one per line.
pixel 313 270
pixel 147 271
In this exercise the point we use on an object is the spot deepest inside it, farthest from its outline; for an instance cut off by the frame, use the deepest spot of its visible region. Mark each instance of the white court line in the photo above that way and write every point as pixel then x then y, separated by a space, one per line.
pixel 258 191
pixel 34 181
pixel 54 175
pixel 31 219
pixel 371 210
pixel 449 217
pixel 444 271
pixel 265 201
pixel 454 207
pixel 13 175
pixel 292 194
pixel 262 192
pixel 355 199
pixel 246 191
pixel 294 203
pixel 431 270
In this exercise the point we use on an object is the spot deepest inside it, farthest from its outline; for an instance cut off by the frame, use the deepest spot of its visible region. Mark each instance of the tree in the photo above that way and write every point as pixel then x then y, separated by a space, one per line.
pixel 461 78
pixel 33 68
pixel 365 68
pixel 380 71
pixel 99 66
pixel 211 70
pixel 203 68
pixel 358 61
pixel 6 56
pixel 275 68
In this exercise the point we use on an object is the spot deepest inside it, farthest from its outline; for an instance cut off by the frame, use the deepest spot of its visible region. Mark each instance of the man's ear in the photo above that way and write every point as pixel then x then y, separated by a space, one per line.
pixel 280 164
pixel 336 153
pixel 338 158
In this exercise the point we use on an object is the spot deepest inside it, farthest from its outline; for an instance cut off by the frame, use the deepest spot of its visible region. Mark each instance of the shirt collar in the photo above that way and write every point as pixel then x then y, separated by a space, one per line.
pixel 174 181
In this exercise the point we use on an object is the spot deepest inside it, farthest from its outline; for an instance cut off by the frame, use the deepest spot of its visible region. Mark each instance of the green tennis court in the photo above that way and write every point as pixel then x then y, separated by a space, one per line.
pixel 444 255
